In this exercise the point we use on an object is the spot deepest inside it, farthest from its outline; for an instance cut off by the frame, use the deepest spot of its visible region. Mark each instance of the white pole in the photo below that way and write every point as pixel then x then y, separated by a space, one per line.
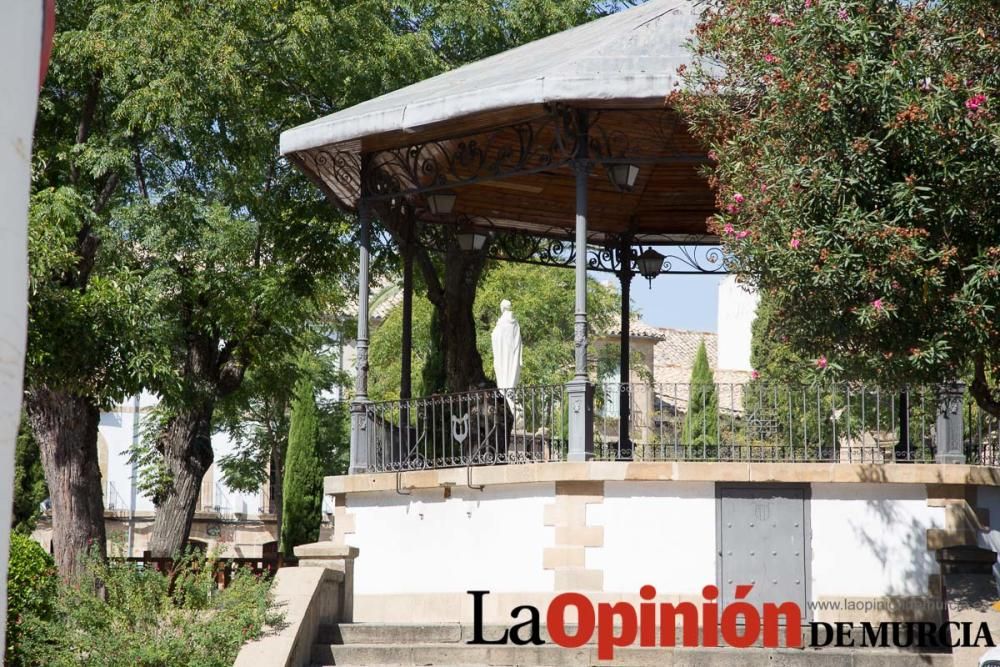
pixel 134 478
pixel 20 51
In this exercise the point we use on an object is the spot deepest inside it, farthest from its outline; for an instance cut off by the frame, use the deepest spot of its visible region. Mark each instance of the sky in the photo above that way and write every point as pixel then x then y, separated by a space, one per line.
pixel 675 301
pixel 678 302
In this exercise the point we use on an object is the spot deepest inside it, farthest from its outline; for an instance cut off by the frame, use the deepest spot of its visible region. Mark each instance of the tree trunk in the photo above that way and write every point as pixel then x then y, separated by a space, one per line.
pixel 462 361
pixel 452 292
pixel 186 445
pixel 66 429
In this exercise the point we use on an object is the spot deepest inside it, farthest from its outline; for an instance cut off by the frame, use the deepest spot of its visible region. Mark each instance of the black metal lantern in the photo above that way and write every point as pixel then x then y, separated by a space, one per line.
pixel 623 176
pixel 441 202
pixel 650 264
pixel 471 240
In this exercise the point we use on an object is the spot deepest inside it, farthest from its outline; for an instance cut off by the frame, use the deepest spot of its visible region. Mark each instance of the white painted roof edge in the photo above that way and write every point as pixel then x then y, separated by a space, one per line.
pixel 523 93
pixel 427 102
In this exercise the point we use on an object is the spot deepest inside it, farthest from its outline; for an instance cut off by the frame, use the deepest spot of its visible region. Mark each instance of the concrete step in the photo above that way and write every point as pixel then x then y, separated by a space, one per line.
pixel 461 633
pixel 393 633
pixel 454 655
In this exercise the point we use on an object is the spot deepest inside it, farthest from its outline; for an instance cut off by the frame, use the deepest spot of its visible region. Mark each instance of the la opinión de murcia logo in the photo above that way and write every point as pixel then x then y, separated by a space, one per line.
pixel 738 624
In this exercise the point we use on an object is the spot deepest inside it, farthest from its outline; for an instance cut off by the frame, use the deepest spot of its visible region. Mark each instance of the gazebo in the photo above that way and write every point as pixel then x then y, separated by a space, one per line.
pixel 564 152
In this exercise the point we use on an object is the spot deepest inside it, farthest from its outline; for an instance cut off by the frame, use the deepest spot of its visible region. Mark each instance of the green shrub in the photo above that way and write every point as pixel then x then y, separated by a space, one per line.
pixel 31 591
pixel 701 423
pixel 302 487
pixel 121 613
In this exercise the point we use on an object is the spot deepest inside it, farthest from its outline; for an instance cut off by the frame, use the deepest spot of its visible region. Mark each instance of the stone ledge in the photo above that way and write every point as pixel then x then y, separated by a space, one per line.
pixel 308 598
pixel 678 471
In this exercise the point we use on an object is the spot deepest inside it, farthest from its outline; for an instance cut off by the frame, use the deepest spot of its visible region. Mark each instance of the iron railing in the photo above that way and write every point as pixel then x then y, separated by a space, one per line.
pixel 765 422
pixel 491 426
pixel 753 421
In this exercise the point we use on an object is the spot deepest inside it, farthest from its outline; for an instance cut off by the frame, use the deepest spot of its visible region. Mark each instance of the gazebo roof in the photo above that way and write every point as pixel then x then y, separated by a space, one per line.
pixel 631 55
pixel 502 133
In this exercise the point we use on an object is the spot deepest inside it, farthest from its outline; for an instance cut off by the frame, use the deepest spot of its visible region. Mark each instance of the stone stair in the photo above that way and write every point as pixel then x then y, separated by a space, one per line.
pixel 374 645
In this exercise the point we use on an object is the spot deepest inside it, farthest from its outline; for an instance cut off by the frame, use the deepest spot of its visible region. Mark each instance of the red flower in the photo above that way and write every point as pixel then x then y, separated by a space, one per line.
pixel 974 102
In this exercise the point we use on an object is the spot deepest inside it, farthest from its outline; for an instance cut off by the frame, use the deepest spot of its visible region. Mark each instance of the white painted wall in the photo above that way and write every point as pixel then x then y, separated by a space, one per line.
pixel 989 499
pixel 20 50
pixel 870 540
pixel 737 310
pixel 423 543
pixel 657 533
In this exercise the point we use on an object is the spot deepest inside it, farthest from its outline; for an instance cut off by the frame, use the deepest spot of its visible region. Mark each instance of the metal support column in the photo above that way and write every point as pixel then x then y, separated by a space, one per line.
pixel 624 365
pixel 359 418
pixel 406 438
pixel 950 433
pixel 406 365
pixel 579 390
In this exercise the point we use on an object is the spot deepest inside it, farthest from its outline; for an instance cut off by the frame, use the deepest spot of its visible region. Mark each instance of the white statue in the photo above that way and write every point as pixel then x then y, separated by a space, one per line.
pixel 506 340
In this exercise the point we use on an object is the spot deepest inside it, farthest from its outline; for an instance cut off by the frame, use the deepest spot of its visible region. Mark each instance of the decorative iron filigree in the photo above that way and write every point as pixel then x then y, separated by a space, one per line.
pixel 545 142
pixel 687 259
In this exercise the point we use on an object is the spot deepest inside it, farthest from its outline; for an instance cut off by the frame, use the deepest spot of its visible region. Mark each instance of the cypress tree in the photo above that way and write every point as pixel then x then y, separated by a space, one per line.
pixel 302 486
pixel 701 424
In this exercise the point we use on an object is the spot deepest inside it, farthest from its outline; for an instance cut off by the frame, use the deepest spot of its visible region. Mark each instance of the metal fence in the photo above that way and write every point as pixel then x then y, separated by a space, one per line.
pixel 755 421
pixel 766 422
pixel 492 426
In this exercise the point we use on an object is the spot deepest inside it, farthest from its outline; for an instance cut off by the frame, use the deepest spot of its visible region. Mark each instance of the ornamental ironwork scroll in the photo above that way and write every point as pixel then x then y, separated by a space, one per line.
pixel 700 255
pixel 545 142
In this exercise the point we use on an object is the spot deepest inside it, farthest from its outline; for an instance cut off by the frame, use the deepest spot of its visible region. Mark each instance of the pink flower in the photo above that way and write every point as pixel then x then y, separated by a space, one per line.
pixel 974 102
pixel 821 362
pixel 775 19
pixel 732 209
pixel 738 198
pixel 763 187
pixel 754 375
pixel 743 234
pixel 795 243
pixel 878 305
pixel 770 58
pixel 728 229
pixel 713 156
pixel 809 4
pixel 842 14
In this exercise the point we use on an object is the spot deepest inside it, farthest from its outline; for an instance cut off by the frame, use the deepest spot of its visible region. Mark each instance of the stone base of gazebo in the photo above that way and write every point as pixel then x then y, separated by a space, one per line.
pixel 846 542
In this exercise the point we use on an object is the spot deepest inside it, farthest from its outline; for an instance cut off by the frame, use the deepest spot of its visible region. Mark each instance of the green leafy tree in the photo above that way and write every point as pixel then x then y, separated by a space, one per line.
pixel 858 177
pixel 701 421
pixel 259 424
pixel 239 251
pixel 543 302
pixel 303 480
pixel 88 311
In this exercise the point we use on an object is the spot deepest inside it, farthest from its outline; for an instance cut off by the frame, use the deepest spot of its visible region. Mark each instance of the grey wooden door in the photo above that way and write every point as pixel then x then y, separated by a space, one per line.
pixel 763 540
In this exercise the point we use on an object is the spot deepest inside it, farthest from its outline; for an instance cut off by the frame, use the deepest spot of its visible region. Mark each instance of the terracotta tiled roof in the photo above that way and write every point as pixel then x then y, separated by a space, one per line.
pixel 636 328
pixel 673 358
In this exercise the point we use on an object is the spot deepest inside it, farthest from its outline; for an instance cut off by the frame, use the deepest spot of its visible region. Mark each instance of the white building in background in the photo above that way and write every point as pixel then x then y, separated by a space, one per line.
pixel 238 524
pixel 117 433
pixel 737 311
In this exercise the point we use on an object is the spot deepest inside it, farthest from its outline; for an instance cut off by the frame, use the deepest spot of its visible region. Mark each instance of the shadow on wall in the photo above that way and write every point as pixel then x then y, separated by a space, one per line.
pixel 893 528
